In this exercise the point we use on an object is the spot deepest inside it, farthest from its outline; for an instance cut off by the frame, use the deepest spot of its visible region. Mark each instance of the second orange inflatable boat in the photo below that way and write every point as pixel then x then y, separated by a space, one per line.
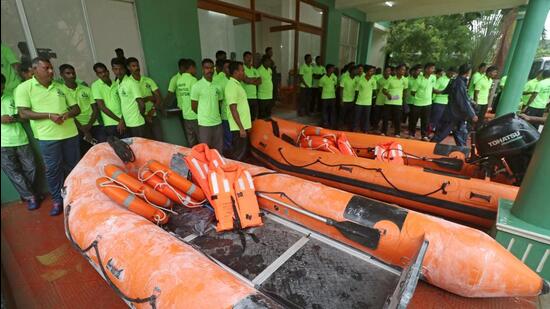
pixel 463 199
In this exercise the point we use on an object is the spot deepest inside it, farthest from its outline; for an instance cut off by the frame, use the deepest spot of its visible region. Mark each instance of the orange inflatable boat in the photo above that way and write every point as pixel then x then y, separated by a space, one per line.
pixel 297 258
pixel 442 158
pixel 460 198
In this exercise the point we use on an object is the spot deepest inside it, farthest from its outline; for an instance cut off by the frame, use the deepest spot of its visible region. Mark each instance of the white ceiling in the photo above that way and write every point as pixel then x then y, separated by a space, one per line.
pixel 377 10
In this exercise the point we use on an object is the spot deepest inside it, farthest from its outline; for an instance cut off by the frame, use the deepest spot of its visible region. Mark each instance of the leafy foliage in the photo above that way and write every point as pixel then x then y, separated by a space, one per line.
pixel 446 40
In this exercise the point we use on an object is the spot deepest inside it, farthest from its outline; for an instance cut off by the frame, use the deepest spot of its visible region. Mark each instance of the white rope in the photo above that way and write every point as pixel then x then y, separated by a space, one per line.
pixel 125 188
pixel 164 177
pixel 142 194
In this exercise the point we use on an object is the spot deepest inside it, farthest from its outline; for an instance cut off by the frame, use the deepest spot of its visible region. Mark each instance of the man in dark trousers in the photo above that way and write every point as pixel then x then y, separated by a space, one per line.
pixel 458 111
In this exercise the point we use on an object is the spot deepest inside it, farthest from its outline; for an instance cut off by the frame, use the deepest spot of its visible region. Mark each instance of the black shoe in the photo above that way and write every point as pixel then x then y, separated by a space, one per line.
pixel 33 204
pixel 57 208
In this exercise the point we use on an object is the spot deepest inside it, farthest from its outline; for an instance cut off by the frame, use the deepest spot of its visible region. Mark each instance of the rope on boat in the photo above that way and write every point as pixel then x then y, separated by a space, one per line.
pixel 442 188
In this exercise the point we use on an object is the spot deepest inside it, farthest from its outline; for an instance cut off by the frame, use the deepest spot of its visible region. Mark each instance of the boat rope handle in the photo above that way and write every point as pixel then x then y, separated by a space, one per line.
pixel 152 300
pixel 442 188
pixel 188 204
pixel 140 194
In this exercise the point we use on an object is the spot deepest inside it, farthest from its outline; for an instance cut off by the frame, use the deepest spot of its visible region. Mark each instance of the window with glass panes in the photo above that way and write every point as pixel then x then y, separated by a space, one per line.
pixel 349 38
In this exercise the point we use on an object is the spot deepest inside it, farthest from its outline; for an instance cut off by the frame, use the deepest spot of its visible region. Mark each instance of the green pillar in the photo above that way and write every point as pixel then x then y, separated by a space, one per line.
pixel 532 204
pixel 524 54
pixel 365 41
pixel 514 43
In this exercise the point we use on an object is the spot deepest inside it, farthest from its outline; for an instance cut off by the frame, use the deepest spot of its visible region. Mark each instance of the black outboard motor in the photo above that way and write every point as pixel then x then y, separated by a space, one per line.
pixel 505 145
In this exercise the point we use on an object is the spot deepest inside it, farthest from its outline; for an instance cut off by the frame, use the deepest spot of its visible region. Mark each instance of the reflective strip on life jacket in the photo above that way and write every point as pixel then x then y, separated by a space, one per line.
pixel 247 202
pixel 391 152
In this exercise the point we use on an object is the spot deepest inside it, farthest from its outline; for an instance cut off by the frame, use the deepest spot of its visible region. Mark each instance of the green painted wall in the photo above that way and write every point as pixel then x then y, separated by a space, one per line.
pixel 169 31
pixel 332 48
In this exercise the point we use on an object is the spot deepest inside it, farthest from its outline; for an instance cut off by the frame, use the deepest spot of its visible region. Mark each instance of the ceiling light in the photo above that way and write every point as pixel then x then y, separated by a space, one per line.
pixel 389 3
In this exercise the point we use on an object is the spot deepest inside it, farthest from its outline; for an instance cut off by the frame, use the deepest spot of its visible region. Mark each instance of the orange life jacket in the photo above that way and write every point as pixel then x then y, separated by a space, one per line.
pixel 199 161
pixel 391 152
pixel 229 188
pixel 344 146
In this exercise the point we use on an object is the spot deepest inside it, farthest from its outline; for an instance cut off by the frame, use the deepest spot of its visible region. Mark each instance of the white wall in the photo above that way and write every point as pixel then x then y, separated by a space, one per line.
pixel 376 54
pixel 217 32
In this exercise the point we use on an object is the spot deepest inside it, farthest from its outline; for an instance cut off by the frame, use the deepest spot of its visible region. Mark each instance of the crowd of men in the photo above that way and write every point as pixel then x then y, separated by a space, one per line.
pixel 67 117
pixel 366 99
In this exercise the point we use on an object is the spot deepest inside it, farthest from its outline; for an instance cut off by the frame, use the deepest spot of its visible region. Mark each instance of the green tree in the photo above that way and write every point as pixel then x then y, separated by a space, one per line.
pixel 445 40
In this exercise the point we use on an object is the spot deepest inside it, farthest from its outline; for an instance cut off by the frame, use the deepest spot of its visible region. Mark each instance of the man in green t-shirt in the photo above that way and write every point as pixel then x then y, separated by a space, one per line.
pixel 206 99
pixel 17 156
pixel 328 84
pixel 348 92
pixel 541 96
pixel 183 87
pixel 104 92
pixel 221 79
pixel 89 129
pixel 529 93
pixel 51 109
pixel 171 93
pixel 394 90
pixel 440 98
pixel 250 83
pixel 10 69
pixel 422 102
pixel 366 86
pixel 306 82
pixel 153 99
pixel 408 99
pixel 482 89
pixel 132 100
pixel 475 77
pixel 265 88
pixel 318 72
pixel 238 111
pixel 378 108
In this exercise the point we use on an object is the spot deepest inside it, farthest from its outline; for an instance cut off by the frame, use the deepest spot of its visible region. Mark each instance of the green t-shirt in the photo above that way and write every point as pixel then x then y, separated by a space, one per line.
pixel 423 90
pixel 208 95
pixel 148 86
pixel 483 85
pixel 129 90
pixel 109 95
pixel 502 82
pixel 221 80
pixel 265 89
pixel 83 97
pixel 319 70
pixel 440 85
pixel 474 79
pixel 380 84
pixel 530 86
pixel 172 83
pixel 377 77
pixel 184 84
pixel 54 99
pixel 235 94
pixel 365 89
pixel 307 74
pixel 349 88
pixel 543 94
pixel 396 86
pixel 12 77
pixel 328 86
pixel 13 134
pixel 411 82
pixel 251 91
